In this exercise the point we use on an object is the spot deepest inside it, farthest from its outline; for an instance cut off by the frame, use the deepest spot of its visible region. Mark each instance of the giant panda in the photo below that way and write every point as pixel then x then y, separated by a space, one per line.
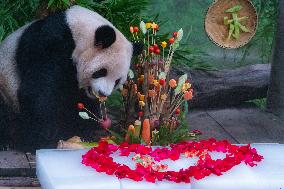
pixel 49 65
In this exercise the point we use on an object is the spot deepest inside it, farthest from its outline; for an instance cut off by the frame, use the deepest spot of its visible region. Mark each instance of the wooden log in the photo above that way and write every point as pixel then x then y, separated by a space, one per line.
pixel 227 87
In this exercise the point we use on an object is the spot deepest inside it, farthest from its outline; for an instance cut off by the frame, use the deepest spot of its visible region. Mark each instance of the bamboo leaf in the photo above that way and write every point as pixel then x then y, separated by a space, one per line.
pixel 50 2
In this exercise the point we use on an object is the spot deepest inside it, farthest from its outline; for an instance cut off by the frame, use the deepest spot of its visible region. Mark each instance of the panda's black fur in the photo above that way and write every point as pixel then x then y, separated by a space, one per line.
pixel 48 91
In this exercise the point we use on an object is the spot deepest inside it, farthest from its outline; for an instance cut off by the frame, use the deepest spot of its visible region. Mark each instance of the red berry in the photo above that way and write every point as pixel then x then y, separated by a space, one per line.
pixel 135 29
pixel 80 106
pixel 177 111
pixel 137 66
pixel 197 132
pixel 140 114
pixel 157 51
pixel 157 27
pixel 151 49
pixel 106 123
pixel 171 40
pixel 175 34
pixel 162 81
pixel 155 46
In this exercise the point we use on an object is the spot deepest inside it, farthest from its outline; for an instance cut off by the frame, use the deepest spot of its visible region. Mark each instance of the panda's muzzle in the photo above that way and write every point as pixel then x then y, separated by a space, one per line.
pixel 98 94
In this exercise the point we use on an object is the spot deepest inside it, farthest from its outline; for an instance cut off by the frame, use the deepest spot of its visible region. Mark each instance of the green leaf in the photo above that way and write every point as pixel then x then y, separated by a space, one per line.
pixel 162 75
pixel 143 27
pixel 185 107
pixel 50 2
pixel 130 74
pixel 178 89
pixel 180 34
pixel 232 27
pixel 182 79
pixel 243 28
pixel 175 45
pixel 118 137
pixel 234 9
pixel 84 115
pixel 66 2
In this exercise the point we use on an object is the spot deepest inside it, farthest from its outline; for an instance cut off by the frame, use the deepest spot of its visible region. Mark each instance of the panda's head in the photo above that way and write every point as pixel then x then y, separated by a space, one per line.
pixel 102 54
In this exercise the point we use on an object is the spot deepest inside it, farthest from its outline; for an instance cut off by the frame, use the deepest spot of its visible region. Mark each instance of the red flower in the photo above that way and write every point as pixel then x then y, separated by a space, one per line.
pixel 122 171
pixel 150 177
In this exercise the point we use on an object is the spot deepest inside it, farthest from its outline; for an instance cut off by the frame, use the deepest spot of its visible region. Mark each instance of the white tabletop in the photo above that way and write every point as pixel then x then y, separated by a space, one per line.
pixel 62 169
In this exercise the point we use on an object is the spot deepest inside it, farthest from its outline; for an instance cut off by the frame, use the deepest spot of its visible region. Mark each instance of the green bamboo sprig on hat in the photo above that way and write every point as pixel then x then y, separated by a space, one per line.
pixel 234 24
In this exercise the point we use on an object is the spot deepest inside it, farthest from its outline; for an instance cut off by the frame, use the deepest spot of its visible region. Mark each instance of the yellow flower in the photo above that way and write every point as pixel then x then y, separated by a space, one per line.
pixel 142 97
pixel 187 86
pixel 141 103
pixel 164 44
pixel 183 89
pixel 148 25
pixel 155 82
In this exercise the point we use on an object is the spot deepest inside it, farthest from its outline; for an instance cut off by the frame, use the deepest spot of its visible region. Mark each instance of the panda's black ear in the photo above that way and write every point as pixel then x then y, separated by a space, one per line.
pixel 105 36
pixel 137 48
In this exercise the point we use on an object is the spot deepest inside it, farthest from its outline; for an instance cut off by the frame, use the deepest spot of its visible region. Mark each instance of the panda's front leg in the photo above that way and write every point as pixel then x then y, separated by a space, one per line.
pixel 47 111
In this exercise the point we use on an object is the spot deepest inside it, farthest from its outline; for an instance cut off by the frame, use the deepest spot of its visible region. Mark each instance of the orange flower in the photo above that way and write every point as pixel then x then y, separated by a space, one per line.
pixel 188 95
pixel 172 83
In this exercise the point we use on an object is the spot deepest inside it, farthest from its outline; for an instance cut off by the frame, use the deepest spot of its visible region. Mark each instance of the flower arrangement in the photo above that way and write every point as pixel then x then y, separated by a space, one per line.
pixel 154 103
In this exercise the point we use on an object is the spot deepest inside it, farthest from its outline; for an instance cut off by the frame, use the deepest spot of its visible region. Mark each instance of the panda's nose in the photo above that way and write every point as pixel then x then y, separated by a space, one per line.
pixel 102 94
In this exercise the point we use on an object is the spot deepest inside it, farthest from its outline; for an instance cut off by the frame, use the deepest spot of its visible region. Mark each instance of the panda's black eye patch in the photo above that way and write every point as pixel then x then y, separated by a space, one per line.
pixel 100 73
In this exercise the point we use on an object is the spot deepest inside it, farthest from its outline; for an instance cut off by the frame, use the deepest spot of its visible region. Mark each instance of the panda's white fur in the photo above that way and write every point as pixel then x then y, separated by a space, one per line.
pixel 9 79
pixel 116 58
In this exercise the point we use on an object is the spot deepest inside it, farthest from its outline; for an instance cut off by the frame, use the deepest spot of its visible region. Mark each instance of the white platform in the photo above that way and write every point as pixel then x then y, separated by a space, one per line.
pixel 62 169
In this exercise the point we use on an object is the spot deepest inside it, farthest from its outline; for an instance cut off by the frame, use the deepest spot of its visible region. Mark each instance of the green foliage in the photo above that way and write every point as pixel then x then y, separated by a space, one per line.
pixel 58 4
pixel 263 40
pixel 122 13
pixel 260 103
pixel 15 13
pixel 167 135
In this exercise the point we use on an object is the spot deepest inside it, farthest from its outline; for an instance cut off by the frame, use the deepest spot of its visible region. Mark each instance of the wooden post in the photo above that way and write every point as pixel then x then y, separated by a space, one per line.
pixel 275 101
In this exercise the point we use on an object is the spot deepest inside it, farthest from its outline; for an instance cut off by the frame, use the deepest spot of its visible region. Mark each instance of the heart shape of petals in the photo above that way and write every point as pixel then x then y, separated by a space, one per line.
pixel 99 158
